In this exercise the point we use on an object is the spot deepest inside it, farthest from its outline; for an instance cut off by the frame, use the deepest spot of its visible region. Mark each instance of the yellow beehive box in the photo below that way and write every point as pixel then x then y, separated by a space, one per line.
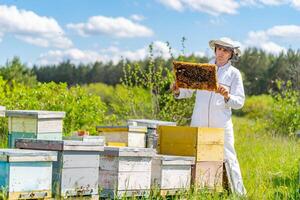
pixel 131 136
pixel 206 144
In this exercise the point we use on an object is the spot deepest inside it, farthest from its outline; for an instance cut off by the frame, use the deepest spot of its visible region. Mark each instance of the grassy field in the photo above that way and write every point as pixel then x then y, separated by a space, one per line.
pixel 269 164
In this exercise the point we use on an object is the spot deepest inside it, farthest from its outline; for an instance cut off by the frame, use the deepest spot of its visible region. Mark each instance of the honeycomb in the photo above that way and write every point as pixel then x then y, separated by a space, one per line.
pixel 201 76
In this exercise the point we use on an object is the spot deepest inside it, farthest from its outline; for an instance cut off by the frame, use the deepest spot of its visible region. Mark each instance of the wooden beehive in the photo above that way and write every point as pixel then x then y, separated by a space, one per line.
pixel 171 174
pixel 36 124
pixel 2 111
pixel 132 136
pixel 76 171
pixel 202 76
pixel 208 174
pixel 205 144
pixel 125 171
pixel 152 125
pixel 26 174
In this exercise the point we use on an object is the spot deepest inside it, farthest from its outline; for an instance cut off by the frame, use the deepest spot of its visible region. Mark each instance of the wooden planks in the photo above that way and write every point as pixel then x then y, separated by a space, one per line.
pixel 18 173
pixel 206 144
pixel 34 124
pixel 171 173
pixel 132 136
pixel 125 171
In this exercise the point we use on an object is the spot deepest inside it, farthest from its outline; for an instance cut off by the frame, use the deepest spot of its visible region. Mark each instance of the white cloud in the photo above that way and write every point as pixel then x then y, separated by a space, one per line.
pixel 137 17
pixel 112 53
pixel 285 31
pixel 32 28
pixel 296 4
pixel 212 7
pixel 118 27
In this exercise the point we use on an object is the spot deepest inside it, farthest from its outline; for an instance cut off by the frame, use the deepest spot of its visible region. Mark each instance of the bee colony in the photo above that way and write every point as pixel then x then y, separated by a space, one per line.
pixel 200 76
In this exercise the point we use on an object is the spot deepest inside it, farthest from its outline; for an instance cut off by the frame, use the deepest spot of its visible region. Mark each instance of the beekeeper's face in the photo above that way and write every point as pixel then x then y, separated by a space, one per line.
pixel 223 54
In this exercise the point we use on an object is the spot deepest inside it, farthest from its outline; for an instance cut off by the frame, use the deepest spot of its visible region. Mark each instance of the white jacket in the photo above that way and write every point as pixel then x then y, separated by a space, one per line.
pixel 210 109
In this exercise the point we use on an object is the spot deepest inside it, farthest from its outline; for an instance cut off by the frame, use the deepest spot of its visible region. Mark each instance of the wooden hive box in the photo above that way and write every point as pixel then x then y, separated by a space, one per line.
pixel 125 171
pixel 152 125
pixel 171 174
pixel 205 144
pixel 76 171
pixel 36 124
pixel 208 174
pixel 26 174
pixel 131 136
pixel 202 76
pixel 2 111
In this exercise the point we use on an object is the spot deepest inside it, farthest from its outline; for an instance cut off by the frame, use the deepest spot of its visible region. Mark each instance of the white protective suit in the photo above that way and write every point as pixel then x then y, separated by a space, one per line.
pixel 211 110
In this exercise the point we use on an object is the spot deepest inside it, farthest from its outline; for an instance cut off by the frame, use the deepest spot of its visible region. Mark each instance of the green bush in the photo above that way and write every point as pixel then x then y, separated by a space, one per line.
pixel 257 107
pixel 285 118
pixel 83 110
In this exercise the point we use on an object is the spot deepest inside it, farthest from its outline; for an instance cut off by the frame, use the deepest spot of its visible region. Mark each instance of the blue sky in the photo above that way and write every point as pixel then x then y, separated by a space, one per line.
pixel 50 31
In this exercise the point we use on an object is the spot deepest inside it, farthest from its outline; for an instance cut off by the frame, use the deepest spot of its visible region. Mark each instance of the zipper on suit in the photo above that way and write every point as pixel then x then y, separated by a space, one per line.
pixel 208 113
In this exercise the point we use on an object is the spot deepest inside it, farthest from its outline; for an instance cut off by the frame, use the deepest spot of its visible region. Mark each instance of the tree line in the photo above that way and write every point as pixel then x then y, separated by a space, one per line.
pixel 260 70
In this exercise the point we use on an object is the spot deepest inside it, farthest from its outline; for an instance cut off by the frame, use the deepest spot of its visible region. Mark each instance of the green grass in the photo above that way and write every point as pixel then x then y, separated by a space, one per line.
pixel 269 164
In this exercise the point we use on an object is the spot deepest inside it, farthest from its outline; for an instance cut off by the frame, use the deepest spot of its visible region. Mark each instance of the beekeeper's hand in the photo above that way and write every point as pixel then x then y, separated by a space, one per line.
pixel 224 92
pixel 175 89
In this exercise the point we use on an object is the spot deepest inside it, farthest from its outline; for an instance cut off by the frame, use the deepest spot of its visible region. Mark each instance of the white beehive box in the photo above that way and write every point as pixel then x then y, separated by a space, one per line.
pixel 76 173
pixel 2 111
pixel 152 125
pixel 131 136
pixel 26 174
pixel 125 171
pixel 35 124
pixel 171 174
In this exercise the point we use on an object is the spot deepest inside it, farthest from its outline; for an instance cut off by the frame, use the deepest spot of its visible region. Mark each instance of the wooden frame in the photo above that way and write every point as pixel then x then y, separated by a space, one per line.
pixel 201 76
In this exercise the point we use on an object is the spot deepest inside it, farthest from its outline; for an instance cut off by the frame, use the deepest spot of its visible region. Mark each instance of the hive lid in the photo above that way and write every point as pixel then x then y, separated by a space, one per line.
pixel 23 155
pixel 2 111
pixel 60 145
pixel 150 123
pixel 175 160
pixel 140 129
pixel 38 114
pixel 90 138
pixel 128 152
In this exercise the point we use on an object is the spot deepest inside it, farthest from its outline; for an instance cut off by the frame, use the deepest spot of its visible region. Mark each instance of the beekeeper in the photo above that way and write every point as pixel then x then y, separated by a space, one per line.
pixel 213 109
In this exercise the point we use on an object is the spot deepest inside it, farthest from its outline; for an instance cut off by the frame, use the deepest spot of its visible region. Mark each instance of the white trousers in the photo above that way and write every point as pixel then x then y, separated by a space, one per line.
pixel 232 161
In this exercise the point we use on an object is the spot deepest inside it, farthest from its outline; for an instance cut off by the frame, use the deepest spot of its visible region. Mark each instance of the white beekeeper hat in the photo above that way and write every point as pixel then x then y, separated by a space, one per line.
pixel 221 42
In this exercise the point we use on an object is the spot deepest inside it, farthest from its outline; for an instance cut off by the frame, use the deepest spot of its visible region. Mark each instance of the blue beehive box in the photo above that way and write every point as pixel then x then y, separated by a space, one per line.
pixel 76 171
pixel 35 124
pixel 26 174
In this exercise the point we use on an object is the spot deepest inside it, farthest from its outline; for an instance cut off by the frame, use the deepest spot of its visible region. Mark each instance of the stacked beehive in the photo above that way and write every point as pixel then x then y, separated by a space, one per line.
pixel 130 136
pixel 205 144
pixel 35 124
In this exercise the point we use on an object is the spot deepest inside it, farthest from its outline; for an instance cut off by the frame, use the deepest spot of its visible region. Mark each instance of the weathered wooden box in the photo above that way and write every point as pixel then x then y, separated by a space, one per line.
pixel 26 174
pixel 206 144
pixel 132 136
pixel 208 174
pixel 125 171
pixel 2 111
pixel 76 172
pixel 90 138
pixel 171 174
pixel 36 124
pixel 152 125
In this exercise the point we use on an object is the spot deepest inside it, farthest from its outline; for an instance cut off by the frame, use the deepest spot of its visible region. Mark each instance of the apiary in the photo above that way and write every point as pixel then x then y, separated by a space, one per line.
pixel 208 174
pixel 125 171
pixel 36 124
pixel 132 136
pixel 205 144
pixel 152 125
pixel 171 174
pixel 18 173
pixel 76 172
pixel 202 76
